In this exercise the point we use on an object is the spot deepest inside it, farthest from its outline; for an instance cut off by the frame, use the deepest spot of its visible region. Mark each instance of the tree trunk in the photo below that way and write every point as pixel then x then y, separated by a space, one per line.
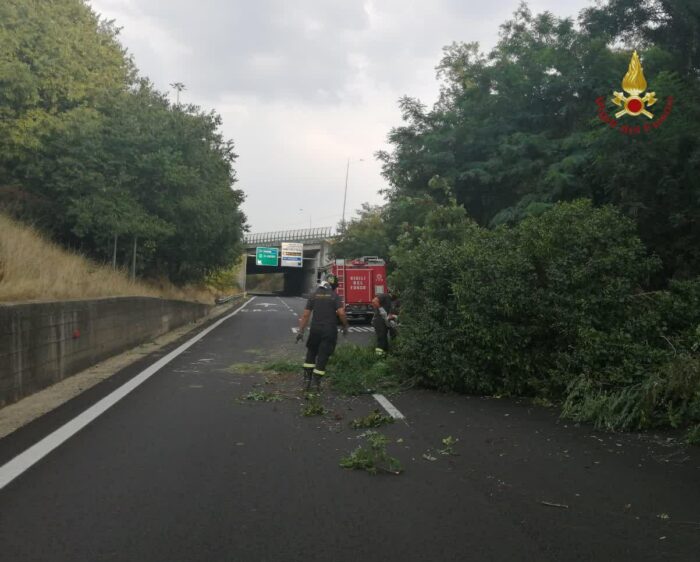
pixel 133 261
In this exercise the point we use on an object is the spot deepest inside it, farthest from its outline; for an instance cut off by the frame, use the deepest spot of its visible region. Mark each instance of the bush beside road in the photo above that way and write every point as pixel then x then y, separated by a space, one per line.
pixel 554 308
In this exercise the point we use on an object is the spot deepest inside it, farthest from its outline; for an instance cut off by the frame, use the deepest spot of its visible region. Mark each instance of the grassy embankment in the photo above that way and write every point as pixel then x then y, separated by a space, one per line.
pixel 34 268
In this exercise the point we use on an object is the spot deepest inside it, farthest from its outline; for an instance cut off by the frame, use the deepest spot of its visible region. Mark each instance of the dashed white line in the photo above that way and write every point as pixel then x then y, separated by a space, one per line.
pixel 25 460
pixel 389 407
pixel 288 307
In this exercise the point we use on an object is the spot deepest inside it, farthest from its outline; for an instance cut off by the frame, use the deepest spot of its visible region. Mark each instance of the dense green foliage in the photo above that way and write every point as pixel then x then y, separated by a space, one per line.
pixel 91 152
pixel 516 130
pixel 364 235
pixel 355 369
pixel 538 251
pixel 553 307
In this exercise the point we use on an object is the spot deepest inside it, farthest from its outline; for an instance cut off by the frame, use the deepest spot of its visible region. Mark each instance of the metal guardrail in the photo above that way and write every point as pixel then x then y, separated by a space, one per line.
pixel 225 300
pixel 321 233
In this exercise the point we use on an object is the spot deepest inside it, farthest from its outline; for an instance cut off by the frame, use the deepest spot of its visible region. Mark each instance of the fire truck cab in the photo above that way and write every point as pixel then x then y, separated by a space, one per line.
pixel 359 280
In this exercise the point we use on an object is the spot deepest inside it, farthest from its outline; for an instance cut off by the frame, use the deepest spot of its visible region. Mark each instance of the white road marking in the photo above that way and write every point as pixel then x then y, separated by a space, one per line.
pixel 353 329
pixel 25 460
pixel 389 407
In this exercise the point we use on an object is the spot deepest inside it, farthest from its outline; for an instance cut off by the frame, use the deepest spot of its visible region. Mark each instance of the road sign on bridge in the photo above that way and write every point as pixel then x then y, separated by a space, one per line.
pixel 267 256
pixel 292 254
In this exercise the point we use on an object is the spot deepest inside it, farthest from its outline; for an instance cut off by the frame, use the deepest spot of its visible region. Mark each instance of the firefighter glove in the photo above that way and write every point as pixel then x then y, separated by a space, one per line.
pixel 300 336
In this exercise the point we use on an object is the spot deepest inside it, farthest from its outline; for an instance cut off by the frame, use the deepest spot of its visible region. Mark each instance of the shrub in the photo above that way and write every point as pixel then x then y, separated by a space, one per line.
pixel 669 397
pixel 356 369
pixel 554 307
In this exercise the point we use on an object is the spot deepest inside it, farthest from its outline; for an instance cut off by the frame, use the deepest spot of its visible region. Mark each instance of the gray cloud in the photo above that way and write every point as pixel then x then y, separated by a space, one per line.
pixel 267 48
pixel 304 85
pixel 314 49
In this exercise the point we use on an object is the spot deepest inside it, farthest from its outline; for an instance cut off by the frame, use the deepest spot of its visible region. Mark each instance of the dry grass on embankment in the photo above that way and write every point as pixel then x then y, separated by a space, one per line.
pixel 34 268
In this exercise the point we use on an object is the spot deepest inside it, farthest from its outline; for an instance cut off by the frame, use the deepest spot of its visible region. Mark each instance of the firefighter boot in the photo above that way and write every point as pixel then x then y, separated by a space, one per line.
pixel 307 379
pixel 317 383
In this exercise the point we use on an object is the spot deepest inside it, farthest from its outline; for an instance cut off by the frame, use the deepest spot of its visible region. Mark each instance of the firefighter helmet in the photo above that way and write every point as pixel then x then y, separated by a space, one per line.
pixel 332 280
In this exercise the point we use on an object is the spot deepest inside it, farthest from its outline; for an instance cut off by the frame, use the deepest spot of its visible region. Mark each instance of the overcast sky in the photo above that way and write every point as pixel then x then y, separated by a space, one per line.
pixel 304 85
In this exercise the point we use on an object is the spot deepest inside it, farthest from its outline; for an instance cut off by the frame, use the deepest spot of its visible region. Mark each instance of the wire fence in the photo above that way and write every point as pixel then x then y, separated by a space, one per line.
pixel 300 235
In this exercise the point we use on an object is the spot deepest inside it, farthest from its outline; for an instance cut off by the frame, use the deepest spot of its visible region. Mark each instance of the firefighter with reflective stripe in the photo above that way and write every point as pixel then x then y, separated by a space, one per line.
pixel 327 309
pixel 383 322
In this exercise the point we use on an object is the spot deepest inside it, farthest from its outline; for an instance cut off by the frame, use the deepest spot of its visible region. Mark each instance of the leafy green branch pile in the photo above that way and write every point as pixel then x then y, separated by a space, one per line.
pixel 93 154
pixel 553 308
pixel 373 456
pixel 509 283
pixel 356 369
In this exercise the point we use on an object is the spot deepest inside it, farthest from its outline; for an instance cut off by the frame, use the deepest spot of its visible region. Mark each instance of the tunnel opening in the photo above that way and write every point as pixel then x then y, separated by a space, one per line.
pixel 286 281
pixel 265 283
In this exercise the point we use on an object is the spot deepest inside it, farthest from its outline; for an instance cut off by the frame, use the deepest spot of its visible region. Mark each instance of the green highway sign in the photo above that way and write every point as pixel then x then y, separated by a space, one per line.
pixel 267 256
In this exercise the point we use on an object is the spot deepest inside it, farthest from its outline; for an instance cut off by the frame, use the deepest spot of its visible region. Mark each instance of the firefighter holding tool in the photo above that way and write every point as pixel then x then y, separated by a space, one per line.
pixel 327 309
pixel 383 322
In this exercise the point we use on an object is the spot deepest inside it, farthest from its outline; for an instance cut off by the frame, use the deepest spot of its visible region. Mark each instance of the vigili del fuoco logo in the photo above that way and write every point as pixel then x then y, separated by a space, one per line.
pixel 634 104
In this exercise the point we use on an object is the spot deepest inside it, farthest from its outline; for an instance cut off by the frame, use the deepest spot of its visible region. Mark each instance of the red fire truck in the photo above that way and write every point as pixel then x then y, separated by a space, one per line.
pixel 359 281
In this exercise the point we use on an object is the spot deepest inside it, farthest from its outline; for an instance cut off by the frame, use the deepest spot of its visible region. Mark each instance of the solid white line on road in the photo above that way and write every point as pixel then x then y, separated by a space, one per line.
pixel 25 460
pixel 389 407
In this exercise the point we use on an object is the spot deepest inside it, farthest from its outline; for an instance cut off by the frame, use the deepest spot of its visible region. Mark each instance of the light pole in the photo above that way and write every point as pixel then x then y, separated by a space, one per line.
pixel 345 195
pixel 179 87
pixel 301 211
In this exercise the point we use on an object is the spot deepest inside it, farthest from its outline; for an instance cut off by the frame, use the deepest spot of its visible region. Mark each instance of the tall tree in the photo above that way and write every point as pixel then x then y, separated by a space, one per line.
pixel 58 61
pixel 97 155
pixel 515 130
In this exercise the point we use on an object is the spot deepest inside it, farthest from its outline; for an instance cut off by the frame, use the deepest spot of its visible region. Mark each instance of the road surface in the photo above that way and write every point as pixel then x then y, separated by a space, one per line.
pixel 183 469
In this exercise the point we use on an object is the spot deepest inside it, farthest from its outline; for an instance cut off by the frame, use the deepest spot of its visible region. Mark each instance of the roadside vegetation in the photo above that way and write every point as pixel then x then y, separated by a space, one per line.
pixel 97 159
pixel 372 420
pixel 282 366
pixel 556 307
pixel 372 456
pixel 314 405
pixel 535 250
pixel 34 268
pixel 356 369
pixel 263 396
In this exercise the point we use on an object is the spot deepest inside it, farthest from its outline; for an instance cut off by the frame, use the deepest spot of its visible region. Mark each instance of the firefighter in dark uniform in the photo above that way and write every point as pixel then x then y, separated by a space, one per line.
pixel 382 322
pixel 327 308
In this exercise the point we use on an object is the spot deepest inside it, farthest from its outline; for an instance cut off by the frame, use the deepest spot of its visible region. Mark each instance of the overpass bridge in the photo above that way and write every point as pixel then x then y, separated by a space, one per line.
pixel 297 280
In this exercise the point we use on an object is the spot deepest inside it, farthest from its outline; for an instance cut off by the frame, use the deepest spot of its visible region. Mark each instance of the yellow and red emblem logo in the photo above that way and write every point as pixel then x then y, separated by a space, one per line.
pixel 634 84
pixel 633 104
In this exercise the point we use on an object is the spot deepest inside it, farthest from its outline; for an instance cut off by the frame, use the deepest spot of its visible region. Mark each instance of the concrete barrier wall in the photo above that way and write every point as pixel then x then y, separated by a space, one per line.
pixel 43 343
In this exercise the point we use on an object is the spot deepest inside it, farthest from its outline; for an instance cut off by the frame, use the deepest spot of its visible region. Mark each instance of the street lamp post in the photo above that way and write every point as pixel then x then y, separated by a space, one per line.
pixel 301 211
pixel 345 195
pixel 179 87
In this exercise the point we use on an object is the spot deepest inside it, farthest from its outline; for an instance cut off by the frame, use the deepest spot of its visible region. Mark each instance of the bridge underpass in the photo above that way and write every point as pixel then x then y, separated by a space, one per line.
pixel 297 281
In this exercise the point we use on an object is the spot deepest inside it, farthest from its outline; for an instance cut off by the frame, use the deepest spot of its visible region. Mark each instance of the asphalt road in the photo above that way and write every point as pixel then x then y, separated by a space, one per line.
pixel 185 469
